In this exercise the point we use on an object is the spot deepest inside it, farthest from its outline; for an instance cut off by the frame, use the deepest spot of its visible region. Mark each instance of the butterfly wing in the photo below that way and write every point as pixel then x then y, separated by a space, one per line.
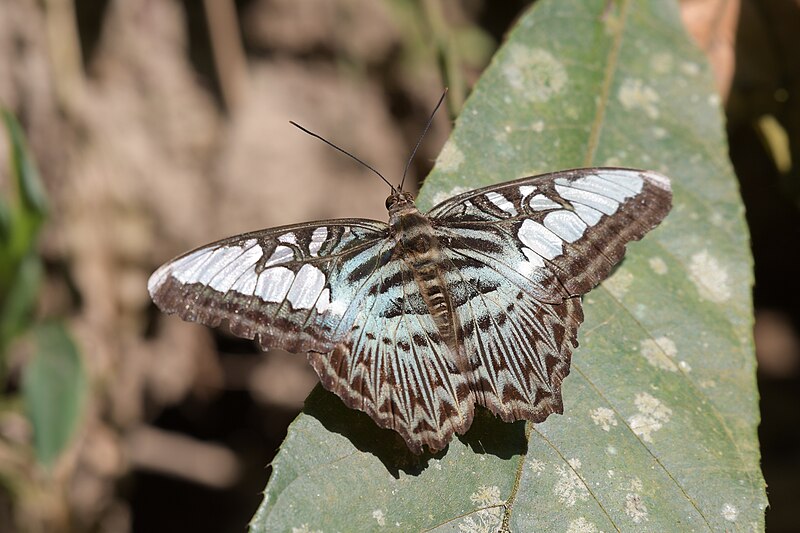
pixel 294 286
pixel 396 367
pixel 520 253
pixel 562 231
pixel 333 289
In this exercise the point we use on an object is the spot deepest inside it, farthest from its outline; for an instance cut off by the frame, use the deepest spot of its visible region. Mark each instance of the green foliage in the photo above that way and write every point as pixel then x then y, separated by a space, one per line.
pixel 53 381
pixel 20 221
pixel 659 430
pixel 53 387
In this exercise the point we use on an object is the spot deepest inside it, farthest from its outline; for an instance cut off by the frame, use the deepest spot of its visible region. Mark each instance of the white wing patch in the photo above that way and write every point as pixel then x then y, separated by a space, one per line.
pixel 540 239
pixel 541 202
pixel 307 286
pixel 526 190
pixel 220 268
pixel 565 224
pixel 274 283
pixel 599 202
pixel 282 254
pixel 318 237
pixel 587 214
pixel 634 182
pixel 502 203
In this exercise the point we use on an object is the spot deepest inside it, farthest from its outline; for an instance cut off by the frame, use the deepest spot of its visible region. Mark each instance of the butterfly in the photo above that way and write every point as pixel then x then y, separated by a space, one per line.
pixel 416 321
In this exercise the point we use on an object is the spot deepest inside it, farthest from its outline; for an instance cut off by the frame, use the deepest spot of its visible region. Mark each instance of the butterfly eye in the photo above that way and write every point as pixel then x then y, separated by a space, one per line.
pixel 389 202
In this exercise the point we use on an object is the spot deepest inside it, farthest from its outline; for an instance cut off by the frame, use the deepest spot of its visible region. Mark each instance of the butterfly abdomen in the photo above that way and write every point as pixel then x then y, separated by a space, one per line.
pixel 422 252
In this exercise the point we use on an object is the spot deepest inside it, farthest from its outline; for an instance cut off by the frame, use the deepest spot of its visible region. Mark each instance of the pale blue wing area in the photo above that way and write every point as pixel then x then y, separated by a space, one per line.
pixel 519 348
pixel 396 367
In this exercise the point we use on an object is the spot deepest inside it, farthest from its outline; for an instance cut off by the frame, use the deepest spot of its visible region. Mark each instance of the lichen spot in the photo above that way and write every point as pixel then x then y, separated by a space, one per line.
pixel 450 158
pixel 690 69
pixel 441 196
pixel 305 529
pixel 651 417
pixel 489 516
pixel 662 63
pixel 635 508
pixel 581 525
pixel 730 512
pixel 660 353
pixel 536 466
pixel 604 417
pixel 710 277
pixel 534 73
pixel 619 283
pixel 538 126
pixel 379 517
pixel 569 488
pixel 634 95
pixel 658 265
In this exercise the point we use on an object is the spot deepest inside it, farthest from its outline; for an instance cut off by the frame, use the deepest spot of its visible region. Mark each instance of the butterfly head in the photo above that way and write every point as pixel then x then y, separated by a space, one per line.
pixel 400 201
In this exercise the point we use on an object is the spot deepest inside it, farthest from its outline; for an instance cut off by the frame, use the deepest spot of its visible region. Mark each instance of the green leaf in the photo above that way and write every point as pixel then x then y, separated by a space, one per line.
pixel 22 217
pixel 26 175
pixel 53 388
pixel 659 430
pixel 16 309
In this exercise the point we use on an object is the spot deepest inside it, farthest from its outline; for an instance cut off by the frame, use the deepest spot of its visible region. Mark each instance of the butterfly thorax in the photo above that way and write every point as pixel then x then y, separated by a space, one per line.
pixel 418 246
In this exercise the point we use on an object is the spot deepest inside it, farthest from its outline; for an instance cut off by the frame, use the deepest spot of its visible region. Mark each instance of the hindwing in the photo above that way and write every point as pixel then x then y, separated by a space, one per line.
pixel 396 367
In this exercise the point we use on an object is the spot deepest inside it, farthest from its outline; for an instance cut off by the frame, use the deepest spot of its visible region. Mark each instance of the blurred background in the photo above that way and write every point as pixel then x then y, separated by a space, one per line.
pixel 160 125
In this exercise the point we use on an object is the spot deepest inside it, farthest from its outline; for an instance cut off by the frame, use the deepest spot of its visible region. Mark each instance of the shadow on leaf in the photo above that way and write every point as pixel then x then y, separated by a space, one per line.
pixel 488 434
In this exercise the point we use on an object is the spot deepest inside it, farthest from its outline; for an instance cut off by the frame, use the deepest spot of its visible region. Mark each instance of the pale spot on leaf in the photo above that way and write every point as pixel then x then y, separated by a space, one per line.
pixel 440 197
pixel 379 517
pixel 581 525
pixel 486 496
pixel 659 353
pixel 450 158
pixel 662 63
pixel 534 73
pixel 651 417
pixel 569 488
pixel 604 417
pixel 635 508
pixel 710 277
pixel 305 529
pixel 658 265
pixel 485 520
pixel 730 512
pixel 619 283
pixel 536 466
pixel 634 95
pixel 635 485
pixel 692 69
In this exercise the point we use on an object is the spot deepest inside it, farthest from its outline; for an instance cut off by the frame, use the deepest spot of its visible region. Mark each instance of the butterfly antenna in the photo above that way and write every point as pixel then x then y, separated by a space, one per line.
pixel 345 152
pixel 419 141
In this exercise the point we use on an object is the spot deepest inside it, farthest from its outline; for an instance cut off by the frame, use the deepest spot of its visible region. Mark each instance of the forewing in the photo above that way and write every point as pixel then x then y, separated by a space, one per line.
pixel 396 367
pixel 294 286
pixel 562 231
